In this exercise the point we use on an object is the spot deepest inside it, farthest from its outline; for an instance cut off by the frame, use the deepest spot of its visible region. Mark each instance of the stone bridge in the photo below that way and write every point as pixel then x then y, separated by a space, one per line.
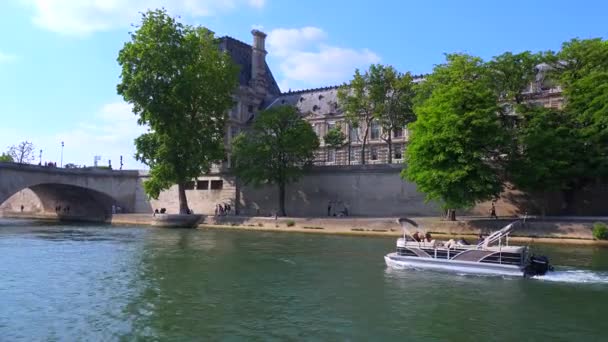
pixel 84 194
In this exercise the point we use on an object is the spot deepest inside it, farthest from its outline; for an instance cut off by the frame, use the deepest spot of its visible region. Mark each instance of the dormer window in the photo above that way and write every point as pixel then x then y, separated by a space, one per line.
pixel 302 99
pixel 320 97
pixel 315 108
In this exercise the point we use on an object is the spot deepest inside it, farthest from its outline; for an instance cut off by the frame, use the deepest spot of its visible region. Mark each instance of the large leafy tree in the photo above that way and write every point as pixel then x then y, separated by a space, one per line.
pixel 180 85
pixel 457 135
pixel 582 71
pixel 512 77
pixel 548 150
pixel 22 153
pixel 381 94
pixel 512 74
pixel 275 151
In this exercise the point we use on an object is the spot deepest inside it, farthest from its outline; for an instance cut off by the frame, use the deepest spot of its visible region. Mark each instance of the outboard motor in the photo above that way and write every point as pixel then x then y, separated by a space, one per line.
pixel 537 265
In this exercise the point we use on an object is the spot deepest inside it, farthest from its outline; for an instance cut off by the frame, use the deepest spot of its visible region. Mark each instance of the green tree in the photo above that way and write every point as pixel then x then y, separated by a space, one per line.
pixel 396 111
pixel 6 158
pixel 512 74
pixel 381 94
pixel 180 85
pixel 22 153
pixel 361 100
pixel 512 78
pixel 582 71
pixel 275 151
pixel 334 138
pixel 547 156
pixel 457 135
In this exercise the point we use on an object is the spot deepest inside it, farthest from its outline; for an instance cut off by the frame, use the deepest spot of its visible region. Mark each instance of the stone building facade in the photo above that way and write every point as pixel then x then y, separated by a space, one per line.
pixel 338 178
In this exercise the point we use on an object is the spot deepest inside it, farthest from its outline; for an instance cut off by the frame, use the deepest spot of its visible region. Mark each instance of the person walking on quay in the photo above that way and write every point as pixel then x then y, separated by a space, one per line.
pixel 328 208
pixel 493 211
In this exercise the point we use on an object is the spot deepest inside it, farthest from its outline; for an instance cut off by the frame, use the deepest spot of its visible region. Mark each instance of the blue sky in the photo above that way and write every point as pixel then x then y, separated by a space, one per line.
pixel 58 70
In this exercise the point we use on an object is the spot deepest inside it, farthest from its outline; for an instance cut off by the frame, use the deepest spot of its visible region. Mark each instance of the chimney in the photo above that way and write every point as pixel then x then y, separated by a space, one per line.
pixel 258 59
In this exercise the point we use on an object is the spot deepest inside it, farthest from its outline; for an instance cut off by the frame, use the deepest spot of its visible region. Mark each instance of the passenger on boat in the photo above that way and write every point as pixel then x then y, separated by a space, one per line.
pixel 416 236
pixel 462 242
pixel 480 240
pixel 427 236
pixel 450 244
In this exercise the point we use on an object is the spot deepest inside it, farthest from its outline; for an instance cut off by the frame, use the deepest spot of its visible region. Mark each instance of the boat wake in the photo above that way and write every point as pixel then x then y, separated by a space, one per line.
pixel 575 276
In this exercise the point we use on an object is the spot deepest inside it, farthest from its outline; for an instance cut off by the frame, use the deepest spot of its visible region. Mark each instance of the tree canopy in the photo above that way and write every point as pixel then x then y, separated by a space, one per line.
pixel 22 153
pixel 275 151
pixel 334 138
pixel 380 94
pixel 456 136
pixel 4 157
pixel 180 85
pixel 582 72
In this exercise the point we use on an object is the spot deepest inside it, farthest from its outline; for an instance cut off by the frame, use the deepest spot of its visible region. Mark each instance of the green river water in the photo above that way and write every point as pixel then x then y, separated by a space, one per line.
pixel 102 283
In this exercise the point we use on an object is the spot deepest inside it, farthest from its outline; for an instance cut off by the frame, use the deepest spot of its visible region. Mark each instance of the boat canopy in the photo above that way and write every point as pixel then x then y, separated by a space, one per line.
pixel 497 235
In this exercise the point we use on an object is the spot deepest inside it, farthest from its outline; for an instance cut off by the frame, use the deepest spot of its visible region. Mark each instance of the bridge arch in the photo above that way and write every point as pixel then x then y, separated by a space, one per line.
pixel 76 194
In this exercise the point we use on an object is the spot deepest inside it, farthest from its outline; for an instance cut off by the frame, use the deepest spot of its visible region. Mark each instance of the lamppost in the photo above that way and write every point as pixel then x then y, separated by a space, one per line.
pixel 61 165
pixel 40 162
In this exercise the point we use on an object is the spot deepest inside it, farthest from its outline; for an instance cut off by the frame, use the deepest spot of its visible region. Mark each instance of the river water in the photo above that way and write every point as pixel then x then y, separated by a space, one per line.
pixel 100 283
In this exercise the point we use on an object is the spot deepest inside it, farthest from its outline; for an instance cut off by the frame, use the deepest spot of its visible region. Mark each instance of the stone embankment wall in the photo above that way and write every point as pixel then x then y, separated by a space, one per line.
pixel 369 191
pixel 362 190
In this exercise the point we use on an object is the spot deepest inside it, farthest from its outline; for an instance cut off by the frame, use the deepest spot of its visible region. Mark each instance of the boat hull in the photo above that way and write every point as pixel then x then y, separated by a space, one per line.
pixel 394 260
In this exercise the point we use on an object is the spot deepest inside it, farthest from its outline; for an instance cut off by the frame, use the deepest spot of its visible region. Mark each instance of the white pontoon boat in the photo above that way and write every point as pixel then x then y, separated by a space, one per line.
pixel 493 255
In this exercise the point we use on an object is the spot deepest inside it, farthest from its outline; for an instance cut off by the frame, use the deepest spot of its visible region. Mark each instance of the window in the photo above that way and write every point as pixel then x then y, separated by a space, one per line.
pixel 250 109
pixel 398 133
pixel 374 153
pixel 317 128
pixel 330 126
pixel 354 133
pixel 189 186
pixel 234 112
pixel 217 184
pixel 375 131
pixel 331 156
pixel 398 153
pixel 234 131
pixel 202 185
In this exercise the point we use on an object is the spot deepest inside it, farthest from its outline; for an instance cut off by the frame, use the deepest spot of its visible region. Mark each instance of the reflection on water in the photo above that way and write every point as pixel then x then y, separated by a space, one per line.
pixel 74 282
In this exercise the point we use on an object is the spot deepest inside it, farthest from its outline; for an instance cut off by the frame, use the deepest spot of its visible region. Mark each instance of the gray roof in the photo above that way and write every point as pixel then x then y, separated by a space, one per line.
pixel 241 55
pixel 317 102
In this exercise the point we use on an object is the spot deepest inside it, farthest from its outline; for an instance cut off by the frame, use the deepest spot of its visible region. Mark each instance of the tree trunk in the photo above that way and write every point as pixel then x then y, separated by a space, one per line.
pixel 282 199
pixel 183 201
pixel 363 145
pixel 568 201
pixel 451 214
pixel 390 147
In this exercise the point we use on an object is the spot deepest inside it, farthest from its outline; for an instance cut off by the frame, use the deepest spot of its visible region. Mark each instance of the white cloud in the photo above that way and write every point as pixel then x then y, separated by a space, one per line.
pixel 83 17
pixel 306 60
pixel 282 42
pixel 6 57
pixel 257 3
